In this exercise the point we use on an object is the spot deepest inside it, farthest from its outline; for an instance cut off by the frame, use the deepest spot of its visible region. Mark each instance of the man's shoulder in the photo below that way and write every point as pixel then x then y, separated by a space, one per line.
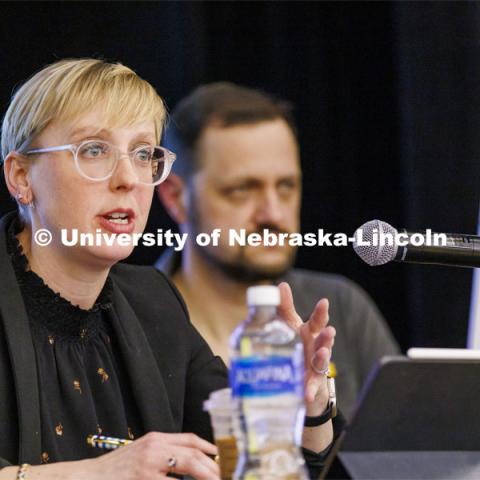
pixel 347 298
pixel 330 284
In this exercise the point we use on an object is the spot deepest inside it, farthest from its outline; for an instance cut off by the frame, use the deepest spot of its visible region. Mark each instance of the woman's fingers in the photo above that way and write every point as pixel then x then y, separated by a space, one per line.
pixel 318 339
pixel 190 440
pixel 319 318
pixel 317 382
pixel 192 462
pixel 326 338
pixel 286 309
pixel 311 344
pixel 180 453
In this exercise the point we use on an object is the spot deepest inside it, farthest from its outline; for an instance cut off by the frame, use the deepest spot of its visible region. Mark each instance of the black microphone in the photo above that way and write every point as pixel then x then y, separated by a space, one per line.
pixel 377 243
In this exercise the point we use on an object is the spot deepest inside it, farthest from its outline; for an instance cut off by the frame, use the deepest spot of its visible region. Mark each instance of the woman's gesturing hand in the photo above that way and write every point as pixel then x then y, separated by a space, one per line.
pixel 318 338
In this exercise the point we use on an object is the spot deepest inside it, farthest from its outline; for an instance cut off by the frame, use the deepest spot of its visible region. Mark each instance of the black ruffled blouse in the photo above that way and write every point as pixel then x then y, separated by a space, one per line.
pixel 82 380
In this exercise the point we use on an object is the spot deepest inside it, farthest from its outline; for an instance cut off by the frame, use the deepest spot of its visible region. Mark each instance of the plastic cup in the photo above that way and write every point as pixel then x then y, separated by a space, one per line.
pixel 219 406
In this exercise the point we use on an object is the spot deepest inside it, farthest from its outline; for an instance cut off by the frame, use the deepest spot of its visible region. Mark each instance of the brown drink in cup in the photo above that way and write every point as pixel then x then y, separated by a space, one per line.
pixel 220 409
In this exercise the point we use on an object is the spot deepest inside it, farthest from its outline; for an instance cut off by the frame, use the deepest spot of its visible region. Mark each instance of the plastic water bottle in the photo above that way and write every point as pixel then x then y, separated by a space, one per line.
pixel 267 380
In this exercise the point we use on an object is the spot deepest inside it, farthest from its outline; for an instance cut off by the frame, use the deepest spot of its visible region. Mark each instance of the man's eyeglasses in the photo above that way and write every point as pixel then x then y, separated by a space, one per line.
pixel 97 160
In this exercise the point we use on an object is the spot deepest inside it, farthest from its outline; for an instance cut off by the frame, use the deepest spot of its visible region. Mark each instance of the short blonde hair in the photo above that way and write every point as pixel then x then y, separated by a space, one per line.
pixel 69 88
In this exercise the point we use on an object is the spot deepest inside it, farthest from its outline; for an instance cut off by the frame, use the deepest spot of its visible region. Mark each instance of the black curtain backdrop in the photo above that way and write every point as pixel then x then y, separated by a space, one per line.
pixel 387 102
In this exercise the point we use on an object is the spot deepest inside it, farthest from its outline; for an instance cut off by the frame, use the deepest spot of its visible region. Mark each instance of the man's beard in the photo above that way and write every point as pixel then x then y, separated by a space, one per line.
pixel 241 268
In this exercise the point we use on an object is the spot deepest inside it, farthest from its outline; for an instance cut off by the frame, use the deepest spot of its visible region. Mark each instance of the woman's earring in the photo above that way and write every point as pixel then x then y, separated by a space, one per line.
pixel 30 204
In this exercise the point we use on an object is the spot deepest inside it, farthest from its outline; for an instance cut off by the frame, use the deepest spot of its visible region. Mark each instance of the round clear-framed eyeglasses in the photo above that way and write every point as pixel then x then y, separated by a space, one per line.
pixel 96 160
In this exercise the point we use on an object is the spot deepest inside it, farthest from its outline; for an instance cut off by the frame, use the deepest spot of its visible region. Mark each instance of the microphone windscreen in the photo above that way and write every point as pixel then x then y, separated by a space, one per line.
pixel 369 246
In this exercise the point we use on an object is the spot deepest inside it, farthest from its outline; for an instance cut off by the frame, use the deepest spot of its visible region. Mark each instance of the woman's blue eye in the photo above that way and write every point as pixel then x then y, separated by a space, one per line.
pixel 143 156
pixel 94 150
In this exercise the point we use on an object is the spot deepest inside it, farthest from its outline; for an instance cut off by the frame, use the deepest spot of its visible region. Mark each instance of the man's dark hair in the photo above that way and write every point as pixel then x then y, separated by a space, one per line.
pixel 222 104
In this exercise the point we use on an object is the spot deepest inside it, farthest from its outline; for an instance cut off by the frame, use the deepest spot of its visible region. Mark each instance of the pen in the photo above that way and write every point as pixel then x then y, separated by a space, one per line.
pixel 109 443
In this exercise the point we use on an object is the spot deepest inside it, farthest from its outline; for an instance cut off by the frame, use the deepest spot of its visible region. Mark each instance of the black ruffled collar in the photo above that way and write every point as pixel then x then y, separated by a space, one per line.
pixel 48 309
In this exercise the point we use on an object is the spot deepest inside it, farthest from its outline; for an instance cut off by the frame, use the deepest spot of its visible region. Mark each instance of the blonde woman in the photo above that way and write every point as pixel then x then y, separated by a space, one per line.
pixel 88 346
